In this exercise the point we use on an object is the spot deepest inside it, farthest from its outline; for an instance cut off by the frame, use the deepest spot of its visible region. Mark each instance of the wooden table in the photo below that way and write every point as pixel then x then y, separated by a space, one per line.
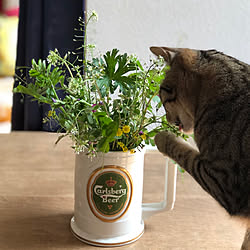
pixel 36 202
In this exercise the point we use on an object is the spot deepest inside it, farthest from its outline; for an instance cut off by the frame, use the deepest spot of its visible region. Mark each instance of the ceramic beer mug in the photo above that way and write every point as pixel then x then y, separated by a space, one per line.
pixel 108 198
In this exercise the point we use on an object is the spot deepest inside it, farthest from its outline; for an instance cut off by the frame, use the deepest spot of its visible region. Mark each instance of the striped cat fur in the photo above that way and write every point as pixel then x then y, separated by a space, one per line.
pixel 208 93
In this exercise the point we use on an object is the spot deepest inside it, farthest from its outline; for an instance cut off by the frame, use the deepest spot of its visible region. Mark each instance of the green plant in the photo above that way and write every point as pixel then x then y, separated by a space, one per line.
pixel 112 106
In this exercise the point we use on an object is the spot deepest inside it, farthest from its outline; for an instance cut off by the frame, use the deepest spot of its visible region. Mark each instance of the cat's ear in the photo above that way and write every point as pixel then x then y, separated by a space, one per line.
pixel 167 53
pixel 185 57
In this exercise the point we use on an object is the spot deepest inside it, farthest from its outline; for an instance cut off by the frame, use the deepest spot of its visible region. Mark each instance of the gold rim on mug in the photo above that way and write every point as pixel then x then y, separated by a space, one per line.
pixel 95 243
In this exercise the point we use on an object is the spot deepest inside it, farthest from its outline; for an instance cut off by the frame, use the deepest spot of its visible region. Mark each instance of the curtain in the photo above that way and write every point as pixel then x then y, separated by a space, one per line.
pixel 43 26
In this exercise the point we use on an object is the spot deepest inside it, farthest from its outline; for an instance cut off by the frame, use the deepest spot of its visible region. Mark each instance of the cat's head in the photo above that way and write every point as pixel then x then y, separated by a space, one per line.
pixel 180 88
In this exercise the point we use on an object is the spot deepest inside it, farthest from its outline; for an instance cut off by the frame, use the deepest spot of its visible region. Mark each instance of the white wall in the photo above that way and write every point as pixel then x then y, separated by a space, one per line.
pixel 134 25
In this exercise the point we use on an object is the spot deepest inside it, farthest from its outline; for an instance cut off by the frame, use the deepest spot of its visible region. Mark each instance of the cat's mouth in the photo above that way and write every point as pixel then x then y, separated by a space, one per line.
pixel 181 127
pixel 179 124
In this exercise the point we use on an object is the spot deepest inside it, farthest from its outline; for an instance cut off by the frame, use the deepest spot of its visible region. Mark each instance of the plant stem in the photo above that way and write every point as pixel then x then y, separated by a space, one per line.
pixel 100 95
pixel 144 97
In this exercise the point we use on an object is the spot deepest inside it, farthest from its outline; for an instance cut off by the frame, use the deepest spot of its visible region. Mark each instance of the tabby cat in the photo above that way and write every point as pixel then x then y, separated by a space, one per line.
pixel 208 92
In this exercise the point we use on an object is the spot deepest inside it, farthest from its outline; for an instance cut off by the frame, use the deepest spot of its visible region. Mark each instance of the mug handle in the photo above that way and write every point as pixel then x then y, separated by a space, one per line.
pixel 149 209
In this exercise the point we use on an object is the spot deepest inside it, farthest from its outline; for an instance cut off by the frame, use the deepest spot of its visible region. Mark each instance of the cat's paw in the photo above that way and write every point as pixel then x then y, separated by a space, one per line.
pixel 164 140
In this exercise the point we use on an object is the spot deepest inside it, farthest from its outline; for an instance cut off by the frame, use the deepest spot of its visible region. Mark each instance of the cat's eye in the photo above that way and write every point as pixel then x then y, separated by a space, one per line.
pixel 167 89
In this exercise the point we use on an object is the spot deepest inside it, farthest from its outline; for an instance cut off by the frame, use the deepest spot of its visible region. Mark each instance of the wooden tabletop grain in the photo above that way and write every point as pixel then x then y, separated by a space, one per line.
pixel 36 202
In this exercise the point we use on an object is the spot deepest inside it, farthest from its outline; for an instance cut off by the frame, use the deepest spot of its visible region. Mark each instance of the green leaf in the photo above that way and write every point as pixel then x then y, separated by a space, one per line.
pixel 139 65
pixel 103 145
pixel 116 68
pixel 32 92
pixel 90 119
pixel 100 114
pixel 103 84
pixel 48 69
pixel 105 120
pixel 67 125
pixel 34 73
pixel 111 61
pixel 94 134
pixel 152 133
pixel 109 133
pixel 111 130
pixel 152 142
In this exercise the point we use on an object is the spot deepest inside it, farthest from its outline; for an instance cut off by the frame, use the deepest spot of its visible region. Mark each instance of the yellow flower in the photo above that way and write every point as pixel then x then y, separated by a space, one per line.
pixel 125 149
pixel 51 113
pixel 120 144
pixel 144 137
pixel 132 151
pixel 119 132
pixel 126 129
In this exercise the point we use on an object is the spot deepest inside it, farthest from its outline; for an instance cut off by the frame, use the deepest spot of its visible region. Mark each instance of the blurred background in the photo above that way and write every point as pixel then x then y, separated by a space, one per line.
pixel 9 10
pixel 134 26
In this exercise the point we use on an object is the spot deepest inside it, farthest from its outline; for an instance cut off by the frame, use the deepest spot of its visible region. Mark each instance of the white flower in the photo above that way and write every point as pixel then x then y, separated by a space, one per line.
pixel 53 57
pixel 95 16
pixel 74 86
pixel 74 131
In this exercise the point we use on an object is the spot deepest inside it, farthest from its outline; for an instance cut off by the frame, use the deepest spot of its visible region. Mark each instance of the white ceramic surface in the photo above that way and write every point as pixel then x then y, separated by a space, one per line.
pixel 112 214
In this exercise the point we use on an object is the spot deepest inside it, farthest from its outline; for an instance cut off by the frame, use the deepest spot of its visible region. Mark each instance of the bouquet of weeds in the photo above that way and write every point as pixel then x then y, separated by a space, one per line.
pixel 111 101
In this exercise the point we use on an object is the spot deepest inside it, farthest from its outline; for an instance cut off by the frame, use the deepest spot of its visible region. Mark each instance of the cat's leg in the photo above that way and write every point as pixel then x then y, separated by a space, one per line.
pixel 246 242
pixel 201 169
pixel 197 165
pixel 204 172
pixel 186 156
pixel 177 149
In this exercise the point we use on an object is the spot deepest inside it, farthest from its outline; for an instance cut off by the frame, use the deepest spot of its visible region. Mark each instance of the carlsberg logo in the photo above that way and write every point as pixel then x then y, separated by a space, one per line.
pixel 109 194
